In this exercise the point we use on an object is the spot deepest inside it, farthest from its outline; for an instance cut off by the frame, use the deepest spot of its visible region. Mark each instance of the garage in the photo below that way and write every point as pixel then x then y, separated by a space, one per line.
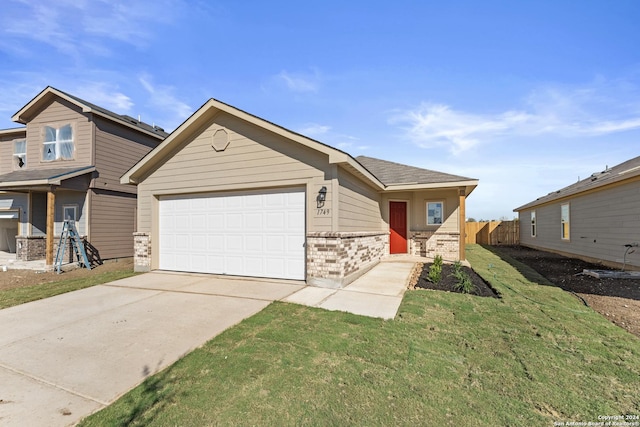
pixel 257 233
pixel 8 231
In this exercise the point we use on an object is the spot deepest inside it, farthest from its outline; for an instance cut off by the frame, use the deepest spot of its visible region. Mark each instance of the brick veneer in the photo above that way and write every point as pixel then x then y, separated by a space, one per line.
pixel 335 259
pixel 141 252
pixel 31 248
pixel 430 244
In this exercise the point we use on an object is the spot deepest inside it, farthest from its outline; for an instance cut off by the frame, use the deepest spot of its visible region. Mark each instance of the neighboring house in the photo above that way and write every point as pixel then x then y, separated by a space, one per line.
pixel 231 193
pixel 66 163
pixel 592 219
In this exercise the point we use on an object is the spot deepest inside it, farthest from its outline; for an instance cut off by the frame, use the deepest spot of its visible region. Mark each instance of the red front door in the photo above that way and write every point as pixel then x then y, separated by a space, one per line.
pixel 398 226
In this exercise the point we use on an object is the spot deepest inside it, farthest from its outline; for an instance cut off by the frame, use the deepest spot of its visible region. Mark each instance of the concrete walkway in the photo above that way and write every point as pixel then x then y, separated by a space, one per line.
pixel 378 293
pixel 65 357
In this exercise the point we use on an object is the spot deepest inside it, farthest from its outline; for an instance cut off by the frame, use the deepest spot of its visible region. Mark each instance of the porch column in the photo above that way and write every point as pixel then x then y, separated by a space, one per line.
pixel 461 207
pixel 51 204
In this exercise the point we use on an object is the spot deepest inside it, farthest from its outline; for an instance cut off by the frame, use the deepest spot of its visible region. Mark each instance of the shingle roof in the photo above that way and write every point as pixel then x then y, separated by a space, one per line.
pixel 123 117
pixel 390 173
pixel 621 172
pixel 24 177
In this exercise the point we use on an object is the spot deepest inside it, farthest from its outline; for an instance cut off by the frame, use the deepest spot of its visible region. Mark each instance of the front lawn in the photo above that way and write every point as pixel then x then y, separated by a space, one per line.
pixel 61 284
pixel 535 357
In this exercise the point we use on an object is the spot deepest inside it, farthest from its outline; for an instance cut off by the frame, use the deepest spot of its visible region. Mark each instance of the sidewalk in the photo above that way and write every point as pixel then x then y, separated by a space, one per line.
pixel 378 293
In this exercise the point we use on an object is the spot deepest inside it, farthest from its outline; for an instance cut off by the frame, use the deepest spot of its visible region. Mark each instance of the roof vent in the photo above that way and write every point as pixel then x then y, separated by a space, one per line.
pixel 158 128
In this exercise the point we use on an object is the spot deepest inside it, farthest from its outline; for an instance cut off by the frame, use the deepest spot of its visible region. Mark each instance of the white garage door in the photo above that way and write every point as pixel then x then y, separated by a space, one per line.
pixel 259 234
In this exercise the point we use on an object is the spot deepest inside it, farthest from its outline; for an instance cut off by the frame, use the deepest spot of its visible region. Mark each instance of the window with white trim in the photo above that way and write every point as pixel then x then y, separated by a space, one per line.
pixel 58 143
pixel 435 213
pixel 19 154
pixel 70 212
pixel 564 221
pixel 533 223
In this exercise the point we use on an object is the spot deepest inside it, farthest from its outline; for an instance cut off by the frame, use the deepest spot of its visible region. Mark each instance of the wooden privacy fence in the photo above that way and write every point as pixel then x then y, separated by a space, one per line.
pixel 493 233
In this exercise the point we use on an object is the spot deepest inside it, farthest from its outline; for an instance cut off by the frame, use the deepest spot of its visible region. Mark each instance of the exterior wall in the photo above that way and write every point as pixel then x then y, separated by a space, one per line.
pixel 336 259
pixel 429 240
pixel 71 198
pixel 601 223
pixel 117 149
pixel 358 205
pixel 112 223
pixel 6 151
pixel 254 159
pixel 58 113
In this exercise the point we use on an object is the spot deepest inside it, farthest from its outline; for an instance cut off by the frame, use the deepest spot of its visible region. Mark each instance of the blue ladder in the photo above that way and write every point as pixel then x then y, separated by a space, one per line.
pixel 69 233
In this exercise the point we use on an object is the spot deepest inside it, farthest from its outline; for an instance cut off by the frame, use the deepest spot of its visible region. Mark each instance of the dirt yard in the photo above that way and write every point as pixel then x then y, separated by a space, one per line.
pixel 616 299
pixel 17 278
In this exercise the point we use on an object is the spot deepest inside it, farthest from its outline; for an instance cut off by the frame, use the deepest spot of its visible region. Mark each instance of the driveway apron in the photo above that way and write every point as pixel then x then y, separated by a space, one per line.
pixel 64 357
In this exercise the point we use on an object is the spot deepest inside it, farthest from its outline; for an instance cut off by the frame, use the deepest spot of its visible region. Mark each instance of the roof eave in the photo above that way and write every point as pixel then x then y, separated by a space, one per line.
pixel 470 185
pixel 598 187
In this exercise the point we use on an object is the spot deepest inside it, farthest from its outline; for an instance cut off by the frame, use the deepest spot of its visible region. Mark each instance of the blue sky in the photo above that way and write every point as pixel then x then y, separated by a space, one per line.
pixel 526 96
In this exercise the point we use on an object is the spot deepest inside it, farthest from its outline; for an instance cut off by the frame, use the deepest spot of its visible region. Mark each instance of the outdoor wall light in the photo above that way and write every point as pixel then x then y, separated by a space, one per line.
pixel 322 196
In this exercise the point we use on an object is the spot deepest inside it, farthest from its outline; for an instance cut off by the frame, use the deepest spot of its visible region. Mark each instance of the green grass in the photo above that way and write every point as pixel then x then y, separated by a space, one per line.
pixel 536 356
pixel 16 296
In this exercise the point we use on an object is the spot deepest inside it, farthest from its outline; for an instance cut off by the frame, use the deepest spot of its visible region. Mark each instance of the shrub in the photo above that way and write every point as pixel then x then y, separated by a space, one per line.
pixel 464 284
pixel 435 270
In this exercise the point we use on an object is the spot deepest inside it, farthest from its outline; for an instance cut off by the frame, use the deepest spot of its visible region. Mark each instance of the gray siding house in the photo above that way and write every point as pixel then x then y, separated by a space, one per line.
pixel 593 219
pixel 66 162
pixel 231 193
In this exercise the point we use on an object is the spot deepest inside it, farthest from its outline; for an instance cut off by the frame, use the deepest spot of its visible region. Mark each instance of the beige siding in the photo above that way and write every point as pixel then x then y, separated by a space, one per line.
pixel 6 153
pixel 359 205
pixel 255 158
pixel 117 149
pixel 417 205
pixel 112 223
pixel 601 223
pixel 59 113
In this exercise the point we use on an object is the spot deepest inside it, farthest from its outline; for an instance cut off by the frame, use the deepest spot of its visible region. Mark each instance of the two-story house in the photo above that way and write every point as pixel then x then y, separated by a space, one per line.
pixel 66 163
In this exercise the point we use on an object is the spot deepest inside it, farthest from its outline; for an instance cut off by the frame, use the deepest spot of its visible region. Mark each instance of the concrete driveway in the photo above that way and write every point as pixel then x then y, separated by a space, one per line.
pixel 65 357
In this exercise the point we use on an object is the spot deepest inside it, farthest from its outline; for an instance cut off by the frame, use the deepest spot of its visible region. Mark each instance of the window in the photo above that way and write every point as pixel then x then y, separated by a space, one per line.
pixel 70 212
pixel 20 154
pixel 435 213
pixel 58 143
pixel 564 221
pixel 533 223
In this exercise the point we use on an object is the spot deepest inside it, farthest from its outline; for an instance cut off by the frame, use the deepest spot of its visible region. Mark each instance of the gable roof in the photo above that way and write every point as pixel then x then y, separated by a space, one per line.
pixel 25 114
pixel 398 175
pixel 625 171
pixel 383 175
pixel 213 107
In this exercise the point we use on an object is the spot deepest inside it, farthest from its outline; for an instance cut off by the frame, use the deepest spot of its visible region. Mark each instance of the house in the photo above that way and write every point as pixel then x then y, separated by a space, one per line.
pixel 231 193
pixel 65 163
pixel 593 219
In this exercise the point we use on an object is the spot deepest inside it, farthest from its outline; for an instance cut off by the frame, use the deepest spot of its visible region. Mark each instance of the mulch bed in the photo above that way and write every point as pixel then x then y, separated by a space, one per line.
pixel 448 282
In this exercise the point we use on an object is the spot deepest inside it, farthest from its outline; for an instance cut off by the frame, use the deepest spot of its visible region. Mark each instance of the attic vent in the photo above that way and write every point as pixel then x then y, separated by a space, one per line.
pixel 220 140
pixel 158 128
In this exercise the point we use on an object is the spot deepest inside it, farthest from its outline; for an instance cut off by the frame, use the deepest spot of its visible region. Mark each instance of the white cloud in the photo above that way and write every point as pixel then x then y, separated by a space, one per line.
pixel 80 27
pixel 300 82
pixel 314 129
pixel 106 96
pixel 581 112
pixel 162 98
